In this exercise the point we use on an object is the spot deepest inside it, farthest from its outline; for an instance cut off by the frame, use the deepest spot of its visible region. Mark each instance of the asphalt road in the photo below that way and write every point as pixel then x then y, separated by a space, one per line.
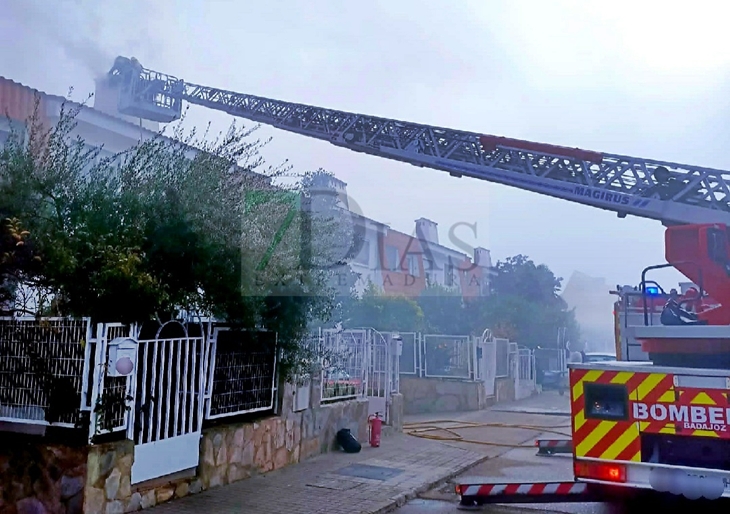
pixel 514 465
pixel 522 464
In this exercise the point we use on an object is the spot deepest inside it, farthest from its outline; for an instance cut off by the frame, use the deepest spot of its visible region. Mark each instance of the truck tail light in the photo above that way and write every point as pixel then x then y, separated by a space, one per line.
pixel 600 471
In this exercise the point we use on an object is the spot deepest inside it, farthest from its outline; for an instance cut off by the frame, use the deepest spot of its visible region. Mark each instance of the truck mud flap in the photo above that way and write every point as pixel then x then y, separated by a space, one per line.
pixel 474 494
pixel 554 446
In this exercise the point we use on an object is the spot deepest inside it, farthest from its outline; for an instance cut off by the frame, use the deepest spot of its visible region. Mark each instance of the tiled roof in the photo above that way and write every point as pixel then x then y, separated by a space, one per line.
pixel 17 100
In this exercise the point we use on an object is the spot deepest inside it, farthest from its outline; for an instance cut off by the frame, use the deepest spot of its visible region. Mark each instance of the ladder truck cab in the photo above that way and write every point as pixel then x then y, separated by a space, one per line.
pixel 656 419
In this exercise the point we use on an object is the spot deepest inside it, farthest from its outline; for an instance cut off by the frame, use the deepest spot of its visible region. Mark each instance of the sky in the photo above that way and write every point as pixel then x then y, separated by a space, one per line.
pixel 647 79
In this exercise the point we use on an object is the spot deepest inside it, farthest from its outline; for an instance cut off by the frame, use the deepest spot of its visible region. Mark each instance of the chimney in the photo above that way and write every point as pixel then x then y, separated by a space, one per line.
pixel 106 98
pixel 482 257
pixel 327 184
pixel 427 230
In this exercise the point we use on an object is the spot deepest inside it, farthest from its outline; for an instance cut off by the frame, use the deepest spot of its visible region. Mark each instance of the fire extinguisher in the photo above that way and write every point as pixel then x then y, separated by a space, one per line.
pixel 376 425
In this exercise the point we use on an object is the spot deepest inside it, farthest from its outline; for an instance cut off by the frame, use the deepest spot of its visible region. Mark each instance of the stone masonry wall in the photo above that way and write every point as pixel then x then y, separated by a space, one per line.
pixel 395 414
pixel 228 453
pixel 40 477
pixel 504 389
pixel 426 395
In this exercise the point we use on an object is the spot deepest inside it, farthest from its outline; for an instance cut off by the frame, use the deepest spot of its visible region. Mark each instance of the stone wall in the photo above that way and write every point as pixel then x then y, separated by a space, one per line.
pixel 504 389
pixel 320 425
pixel 427 395
pixel 108 480
pixel 395 412
pixel 228 453
pixel 40 477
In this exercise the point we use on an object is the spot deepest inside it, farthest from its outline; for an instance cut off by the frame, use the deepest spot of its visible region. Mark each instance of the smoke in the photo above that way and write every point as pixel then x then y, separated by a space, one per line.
pixel 91 35
pixel 70 25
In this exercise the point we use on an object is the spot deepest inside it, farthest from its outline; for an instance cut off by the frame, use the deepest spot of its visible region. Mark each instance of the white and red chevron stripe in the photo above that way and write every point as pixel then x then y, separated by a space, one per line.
pixel 555 443
pixel 557 488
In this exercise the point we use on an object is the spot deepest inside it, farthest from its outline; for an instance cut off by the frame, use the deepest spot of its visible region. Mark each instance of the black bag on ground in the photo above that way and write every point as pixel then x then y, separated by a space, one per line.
pixel 347 441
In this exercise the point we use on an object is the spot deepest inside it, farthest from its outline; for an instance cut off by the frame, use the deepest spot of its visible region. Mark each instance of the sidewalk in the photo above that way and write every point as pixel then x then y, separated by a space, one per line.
pixel 376 480
pixel 402 467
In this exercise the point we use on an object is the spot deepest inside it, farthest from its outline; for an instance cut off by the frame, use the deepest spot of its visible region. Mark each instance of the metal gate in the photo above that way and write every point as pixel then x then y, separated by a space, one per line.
pixel 170 395
pixel 524 366
pixel 488 362
pixel 382 371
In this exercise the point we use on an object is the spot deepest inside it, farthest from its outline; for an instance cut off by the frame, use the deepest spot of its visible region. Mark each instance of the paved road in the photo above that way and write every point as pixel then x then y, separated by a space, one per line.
pixel 520 464
pixel 523 464
pixel 516 464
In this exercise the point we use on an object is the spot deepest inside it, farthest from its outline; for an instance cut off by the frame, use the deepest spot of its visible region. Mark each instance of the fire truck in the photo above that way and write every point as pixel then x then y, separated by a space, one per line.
pixel 655 420
pixel 635 308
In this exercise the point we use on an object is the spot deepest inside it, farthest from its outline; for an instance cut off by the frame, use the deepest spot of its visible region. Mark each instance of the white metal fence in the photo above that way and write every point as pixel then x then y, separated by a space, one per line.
pixel 448 356
pixel 243 380
pixel 360 363
pixel 457 357
pixel 44 363
pixel 344 362
pixel 54 371
pixel 467 358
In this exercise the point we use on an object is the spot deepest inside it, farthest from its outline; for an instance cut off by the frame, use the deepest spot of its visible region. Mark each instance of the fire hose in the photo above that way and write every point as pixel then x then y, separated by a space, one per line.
pixel 422 430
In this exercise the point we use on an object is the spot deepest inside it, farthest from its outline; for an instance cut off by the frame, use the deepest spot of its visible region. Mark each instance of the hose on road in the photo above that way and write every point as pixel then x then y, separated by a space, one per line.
pixel 423 428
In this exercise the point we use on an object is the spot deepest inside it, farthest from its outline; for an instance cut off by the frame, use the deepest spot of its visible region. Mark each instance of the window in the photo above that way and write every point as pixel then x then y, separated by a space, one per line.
pixel 428 271
pixel 484 285
pixel 391 258
pixel 363 257
pixel 413 268
pixel 449 277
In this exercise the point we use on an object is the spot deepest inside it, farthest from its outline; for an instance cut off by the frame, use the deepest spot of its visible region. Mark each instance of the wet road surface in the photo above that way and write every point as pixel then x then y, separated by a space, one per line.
pixel 522 464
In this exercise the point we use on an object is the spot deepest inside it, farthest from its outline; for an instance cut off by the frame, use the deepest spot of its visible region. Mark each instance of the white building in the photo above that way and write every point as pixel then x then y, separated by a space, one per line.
pixel 381 249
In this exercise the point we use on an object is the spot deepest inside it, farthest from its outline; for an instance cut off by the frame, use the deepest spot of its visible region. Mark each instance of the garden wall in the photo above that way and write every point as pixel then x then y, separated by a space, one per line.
pixel 427 395
pixel 40 476
pixel 504 389
pixel 43 477
pixel 228 453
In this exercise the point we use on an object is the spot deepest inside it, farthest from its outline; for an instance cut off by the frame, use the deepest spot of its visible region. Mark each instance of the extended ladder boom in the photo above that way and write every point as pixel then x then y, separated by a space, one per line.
pixel 669 192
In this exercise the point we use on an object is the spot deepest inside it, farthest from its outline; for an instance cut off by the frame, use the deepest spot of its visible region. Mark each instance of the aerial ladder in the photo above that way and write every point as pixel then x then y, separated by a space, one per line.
pixel 659 424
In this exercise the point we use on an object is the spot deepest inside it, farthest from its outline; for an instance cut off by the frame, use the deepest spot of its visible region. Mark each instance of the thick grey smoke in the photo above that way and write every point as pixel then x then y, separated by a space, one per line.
pixel 71 25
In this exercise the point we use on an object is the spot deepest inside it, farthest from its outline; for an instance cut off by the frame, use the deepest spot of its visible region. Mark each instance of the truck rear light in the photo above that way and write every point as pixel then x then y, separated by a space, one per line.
pixel 600 471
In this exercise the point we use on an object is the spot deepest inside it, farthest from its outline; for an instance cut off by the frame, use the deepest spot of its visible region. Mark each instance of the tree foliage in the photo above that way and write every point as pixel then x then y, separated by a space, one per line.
pixel 524 306
pixel 159 229
pixel 444 311
pixel 375 310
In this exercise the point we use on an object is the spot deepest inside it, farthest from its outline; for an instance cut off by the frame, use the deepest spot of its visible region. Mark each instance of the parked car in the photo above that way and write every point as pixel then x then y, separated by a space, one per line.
pixel 598 357
pixel 556 380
